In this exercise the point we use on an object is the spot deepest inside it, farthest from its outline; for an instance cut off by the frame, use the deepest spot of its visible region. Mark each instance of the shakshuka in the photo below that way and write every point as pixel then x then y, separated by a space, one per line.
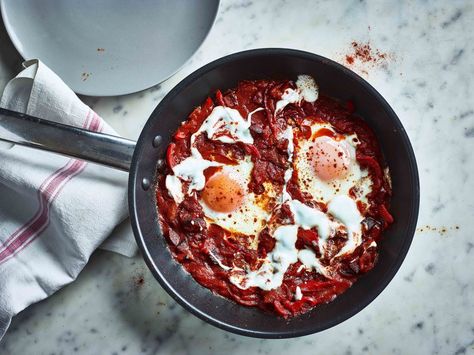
pixel 274 195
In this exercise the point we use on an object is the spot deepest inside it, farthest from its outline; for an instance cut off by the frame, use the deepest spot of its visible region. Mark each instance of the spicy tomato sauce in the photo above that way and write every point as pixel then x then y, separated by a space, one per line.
pixel 192 240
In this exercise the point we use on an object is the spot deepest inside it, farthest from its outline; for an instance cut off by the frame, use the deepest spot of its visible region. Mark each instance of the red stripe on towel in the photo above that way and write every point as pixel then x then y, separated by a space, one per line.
pixel 47 193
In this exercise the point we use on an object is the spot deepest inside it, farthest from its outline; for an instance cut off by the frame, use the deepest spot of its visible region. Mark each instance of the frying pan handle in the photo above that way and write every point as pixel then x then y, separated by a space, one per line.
pixel 18 128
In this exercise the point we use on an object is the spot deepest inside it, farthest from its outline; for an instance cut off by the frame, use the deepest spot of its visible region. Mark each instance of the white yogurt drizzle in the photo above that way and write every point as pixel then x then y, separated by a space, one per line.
pixel 307 218
pixel 218 261
pixel 345 210
pixel 298 294
pixel 230 126
pixel 190 169
pixel 271 273
pixel 306 89
pixel 175 188
pixel 223 124
pixel 310 261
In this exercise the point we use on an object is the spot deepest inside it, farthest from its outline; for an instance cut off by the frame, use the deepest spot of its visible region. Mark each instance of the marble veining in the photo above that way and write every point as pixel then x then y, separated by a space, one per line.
pixel 116 307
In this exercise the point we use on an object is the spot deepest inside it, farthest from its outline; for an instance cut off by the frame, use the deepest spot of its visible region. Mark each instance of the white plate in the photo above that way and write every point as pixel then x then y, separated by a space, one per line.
pixel 109 47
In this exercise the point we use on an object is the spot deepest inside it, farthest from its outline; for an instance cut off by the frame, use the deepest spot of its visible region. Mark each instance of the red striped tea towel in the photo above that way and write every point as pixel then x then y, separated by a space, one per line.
pixel 54 211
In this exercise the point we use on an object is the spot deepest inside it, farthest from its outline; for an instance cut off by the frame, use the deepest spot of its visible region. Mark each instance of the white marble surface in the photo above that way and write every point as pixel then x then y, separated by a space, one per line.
pixel 116 306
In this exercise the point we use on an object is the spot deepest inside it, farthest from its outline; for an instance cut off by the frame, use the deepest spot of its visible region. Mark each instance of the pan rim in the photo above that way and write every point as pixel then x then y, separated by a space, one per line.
pixel 387 276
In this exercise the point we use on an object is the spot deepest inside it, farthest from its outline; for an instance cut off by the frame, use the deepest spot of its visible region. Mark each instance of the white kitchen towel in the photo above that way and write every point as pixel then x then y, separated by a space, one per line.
pixel 54 211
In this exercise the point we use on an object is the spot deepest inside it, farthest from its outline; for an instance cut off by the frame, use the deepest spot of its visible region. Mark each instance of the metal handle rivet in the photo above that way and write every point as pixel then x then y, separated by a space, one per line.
pixel 157 141
pixel 146 184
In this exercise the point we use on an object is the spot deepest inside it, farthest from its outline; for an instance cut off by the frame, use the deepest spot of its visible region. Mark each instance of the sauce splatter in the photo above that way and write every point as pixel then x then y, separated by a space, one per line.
pixel 139 281
pixel 441 230
pixel 85 76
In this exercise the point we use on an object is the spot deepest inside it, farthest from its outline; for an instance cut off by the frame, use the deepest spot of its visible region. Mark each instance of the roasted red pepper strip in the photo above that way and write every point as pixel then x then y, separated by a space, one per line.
pixel 170 156
pixel 220 98
pixel 385 215
pixel 252 150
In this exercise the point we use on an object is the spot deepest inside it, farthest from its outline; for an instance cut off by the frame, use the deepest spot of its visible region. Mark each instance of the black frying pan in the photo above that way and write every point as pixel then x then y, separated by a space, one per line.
pixel 334 80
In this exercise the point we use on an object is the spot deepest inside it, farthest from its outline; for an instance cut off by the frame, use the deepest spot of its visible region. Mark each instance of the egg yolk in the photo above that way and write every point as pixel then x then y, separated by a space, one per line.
pixel 222 193
pixel 330 158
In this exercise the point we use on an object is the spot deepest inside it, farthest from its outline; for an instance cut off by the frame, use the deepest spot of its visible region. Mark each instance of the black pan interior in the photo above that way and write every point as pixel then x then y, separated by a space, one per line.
pixel 334 80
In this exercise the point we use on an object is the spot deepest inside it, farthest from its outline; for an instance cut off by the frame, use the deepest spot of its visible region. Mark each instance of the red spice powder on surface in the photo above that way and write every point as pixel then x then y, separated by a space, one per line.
pixel 365 53
pixel 138 281
pixel 362 57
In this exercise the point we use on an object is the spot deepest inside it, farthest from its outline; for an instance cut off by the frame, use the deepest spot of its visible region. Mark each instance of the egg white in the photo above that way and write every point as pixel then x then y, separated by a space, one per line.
pixel 251 217
pixel 325 191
